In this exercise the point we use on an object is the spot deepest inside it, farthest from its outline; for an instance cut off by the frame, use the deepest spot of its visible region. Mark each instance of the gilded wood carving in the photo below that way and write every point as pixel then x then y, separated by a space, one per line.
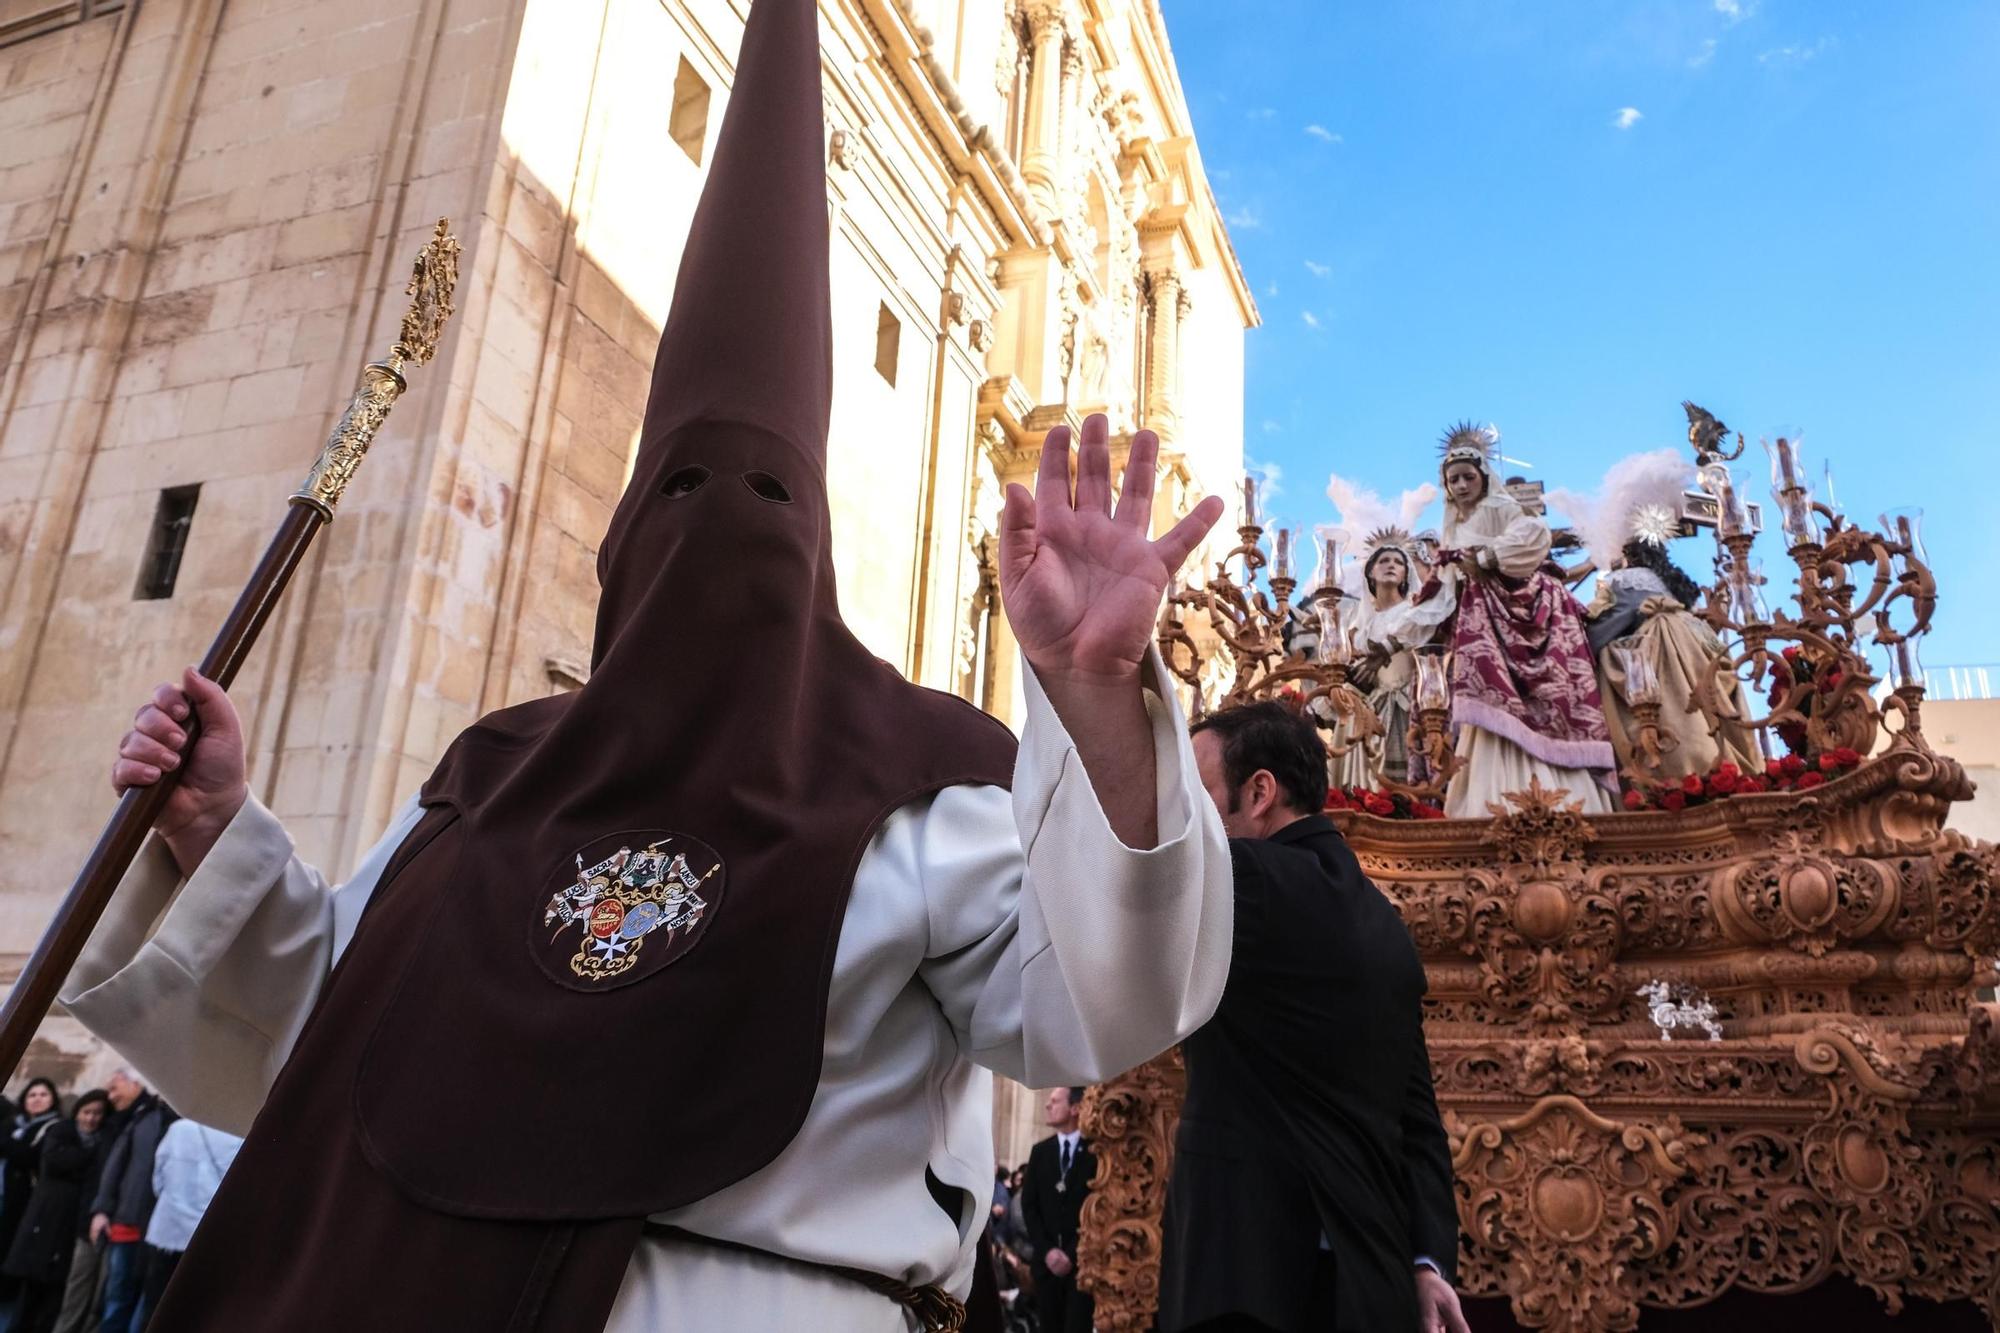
pixel 1847 1122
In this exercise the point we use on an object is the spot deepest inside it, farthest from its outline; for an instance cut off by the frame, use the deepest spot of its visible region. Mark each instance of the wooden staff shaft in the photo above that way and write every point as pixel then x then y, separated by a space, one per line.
pixel 126 831
pixel 432 282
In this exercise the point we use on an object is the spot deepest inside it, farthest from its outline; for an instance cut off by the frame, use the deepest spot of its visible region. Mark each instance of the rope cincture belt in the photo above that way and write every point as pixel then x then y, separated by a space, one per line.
pixel 936 1310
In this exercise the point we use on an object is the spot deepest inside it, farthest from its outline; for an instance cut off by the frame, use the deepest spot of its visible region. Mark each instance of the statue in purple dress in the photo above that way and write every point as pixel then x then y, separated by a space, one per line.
pixel 1524 697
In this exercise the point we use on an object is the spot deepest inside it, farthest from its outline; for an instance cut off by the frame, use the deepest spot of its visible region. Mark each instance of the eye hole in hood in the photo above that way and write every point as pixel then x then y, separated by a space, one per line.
pixel 683 482
pixel 767 487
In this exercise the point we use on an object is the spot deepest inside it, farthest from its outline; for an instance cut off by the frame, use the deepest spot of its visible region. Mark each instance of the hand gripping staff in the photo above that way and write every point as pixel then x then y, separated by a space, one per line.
pixel 308 510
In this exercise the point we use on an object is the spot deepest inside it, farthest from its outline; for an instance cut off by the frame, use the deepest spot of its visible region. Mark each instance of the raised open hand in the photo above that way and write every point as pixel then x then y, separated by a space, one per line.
pixel 1082 582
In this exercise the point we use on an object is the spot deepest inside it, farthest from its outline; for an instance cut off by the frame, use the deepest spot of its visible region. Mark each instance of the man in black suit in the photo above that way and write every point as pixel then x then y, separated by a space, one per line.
pixel 1311 1189
pixel 1058 1180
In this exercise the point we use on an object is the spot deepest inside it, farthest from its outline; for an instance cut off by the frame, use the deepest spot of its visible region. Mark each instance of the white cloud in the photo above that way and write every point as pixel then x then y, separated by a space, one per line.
pixel 1245 217
pixel 1627 117
pixel 1312 320
pixel 1795 55
pixel 1735 11
pixel 1703 56
pixel 1271 427
pixel 1263 112
pixel 1271 290
pixel 1318 270
pixel 1323 134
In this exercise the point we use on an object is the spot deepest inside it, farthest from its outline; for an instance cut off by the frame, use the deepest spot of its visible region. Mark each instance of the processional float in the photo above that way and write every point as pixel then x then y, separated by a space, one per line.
pixel 310 508
pixel 1823 923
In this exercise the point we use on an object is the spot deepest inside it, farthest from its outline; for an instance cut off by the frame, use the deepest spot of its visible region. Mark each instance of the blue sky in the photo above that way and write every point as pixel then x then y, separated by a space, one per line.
pixel 1565 216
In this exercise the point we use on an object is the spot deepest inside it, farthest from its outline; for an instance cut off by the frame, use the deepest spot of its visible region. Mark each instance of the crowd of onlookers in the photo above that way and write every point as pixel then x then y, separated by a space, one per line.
pixel 99 1196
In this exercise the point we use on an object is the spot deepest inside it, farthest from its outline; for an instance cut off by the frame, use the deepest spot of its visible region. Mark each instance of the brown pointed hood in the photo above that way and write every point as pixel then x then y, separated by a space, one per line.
pixel 643 901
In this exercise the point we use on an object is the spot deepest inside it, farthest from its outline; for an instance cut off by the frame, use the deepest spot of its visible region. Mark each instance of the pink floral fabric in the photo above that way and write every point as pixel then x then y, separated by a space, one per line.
pixel 1521 669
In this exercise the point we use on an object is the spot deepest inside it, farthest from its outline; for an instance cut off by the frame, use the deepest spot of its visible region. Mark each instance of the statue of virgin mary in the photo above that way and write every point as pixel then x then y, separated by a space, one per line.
pixel 1524 697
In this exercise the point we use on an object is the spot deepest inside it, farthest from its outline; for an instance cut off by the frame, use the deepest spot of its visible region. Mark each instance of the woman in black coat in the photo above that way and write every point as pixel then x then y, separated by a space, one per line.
pixel 21 1151
pixel 72 1155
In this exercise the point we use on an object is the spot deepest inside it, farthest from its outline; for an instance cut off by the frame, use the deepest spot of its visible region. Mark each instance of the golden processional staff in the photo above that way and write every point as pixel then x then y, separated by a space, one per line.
pixel 310 509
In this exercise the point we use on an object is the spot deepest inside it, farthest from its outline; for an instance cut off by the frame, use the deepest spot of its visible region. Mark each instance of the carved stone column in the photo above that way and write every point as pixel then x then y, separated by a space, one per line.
pixel 1070 135
pixel 1041 150
pixel 1168 305
pixel 1007 62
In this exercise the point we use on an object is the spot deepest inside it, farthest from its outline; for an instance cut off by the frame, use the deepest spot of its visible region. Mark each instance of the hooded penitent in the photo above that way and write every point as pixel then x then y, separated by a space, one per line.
pixel 592 983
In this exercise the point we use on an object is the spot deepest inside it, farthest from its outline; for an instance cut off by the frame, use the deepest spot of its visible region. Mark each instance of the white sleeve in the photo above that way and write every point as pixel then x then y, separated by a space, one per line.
pixel 1058 954
pixel 204 985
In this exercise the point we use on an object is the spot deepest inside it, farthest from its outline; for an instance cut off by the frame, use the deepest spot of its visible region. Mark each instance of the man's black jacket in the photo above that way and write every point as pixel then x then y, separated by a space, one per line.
pixel 1309 1109
pixel 1051 1214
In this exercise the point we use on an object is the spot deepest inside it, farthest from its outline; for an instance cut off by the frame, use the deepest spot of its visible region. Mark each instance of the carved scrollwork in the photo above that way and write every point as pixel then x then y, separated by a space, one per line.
pixel 1560 1197
pixel 1848 1122
pixel 1130 1122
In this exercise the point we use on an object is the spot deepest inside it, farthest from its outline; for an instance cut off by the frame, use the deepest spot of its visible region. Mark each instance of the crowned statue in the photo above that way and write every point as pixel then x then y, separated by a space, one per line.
pixel 1525 704
pixel 1385 625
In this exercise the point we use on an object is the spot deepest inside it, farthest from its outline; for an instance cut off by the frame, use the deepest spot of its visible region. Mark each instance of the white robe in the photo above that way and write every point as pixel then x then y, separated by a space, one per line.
pixel 984 932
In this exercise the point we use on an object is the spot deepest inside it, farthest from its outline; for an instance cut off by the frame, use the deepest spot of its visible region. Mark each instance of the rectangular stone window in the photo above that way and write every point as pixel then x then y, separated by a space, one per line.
pixel 172 518
pixel 689 124
pixel 22 19
pixel 888 342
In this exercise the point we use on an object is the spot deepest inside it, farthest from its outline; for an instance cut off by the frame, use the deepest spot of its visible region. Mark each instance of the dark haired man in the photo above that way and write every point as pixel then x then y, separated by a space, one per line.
pixel 1053 1190
pixel 1312 1183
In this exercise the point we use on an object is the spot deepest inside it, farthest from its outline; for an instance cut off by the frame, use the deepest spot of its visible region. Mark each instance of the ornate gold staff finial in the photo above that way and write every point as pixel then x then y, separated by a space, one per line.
pixel 432 281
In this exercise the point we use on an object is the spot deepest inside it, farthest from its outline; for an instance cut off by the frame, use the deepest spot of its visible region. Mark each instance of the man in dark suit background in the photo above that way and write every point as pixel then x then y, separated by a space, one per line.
pixel 1058 1180
pixel 1311 1188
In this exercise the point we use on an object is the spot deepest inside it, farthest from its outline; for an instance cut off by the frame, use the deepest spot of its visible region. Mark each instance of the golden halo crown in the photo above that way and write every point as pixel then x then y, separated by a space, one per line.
pixel 1394 538
pixel 1655 524
pixel 1467 442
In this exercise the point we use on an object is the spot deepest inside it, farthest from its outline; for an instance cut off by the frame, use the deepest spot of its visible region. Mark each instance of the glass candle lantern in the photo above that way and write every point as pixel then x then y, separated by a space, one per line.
pixel 1249 502
pixel 1732 517
pixel 1794 496
pixel 1905 527
pixel 1281 567
pixel 1642 681
pixel 1328 576
pixel 1906 663
pixel 1433 677
pixel 1336 641
pixel 1746 597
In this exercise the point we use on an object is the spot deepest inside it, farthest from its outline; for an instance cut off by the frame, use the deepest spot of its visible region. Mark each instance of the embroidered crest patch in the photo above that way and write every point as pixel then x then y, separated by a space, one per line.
pixel 637 901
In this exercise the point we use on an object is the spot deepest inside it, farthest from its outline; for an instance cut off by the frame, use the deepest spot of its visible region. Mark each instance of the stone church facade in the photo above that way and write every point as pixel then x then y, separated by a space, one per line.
pixel 207 210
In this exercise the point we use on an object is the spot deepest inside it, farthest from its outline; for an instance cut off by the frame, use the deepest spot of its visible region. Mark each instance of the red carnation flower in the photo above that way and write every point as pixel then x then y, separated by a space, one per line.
pixel 1378 804
pixel 1792 653
pixel 1335 800
pixel 1691 784
pixel 1827 763
pixel 1429 811
pixel 1673 800
pixel 1753 784
pixel 1728 771
pixel 1725 780
pixel 1635 800
pixel 1809 780
pixel 1848 756
pixel 1792 765
pixel 1773 769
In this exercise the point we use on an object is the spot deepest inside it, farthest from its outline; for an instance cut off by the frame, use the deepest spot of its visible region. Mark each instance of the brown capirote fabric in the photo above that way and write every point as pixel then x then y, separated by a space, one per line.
pixel 592 984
